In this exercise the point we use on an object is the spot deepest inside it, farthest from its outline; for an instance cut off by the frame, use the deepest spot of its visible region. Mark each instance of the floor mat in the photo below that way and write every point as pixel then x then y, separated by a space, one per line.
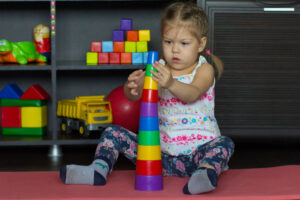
pixel 281 182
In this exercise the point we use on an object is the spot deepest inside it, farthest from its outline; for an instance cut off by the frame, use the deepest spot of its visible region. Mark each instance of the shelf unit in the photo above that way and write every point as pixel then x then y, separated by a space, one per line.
pixel 77 23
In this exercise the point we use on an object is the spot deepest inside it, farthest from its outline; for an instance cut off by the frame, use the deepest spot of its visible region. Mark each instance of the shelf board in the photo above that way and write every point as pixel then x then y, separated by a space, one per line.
pixel 106 0
pixel 24 0
pixel 81 65
pixel 46 140
pixel 28 67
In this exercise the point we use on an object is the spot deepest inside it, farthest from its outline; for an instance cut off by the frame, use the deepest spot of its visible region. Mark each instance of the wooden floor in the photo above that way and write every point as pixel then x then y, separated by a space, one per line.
pixel 37 159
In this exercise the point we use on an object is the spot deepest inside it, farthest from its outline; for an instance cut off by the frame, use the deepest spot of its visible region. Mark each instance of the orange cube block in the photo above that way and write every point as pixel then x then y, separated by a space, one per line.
pixel 132 36
pixel 119 47
pixel 126 58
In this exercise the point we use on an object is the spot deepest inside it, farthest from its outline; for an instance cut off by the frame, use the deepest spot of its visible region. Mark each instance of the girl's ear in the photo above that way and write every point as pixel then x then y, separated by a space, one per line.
pixel 202 44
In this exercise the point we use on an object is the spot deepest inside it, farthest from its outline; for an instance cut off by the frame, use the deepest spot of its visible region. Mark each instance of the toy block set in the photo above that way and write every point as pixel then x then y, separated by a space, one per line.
pixel 148 165
pixel 128 47
pixel 23 113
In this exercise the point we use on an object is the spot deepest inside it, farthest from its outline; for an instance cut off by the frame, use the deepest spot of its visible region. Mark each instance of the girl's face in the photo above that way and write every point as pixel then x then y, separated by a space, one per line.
pixel 181 49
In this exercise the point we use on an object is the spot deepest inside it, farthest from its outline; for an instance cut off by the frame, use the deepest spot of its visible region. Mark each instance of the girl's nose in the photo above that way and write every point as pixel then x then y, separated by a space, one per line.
pixel 175 48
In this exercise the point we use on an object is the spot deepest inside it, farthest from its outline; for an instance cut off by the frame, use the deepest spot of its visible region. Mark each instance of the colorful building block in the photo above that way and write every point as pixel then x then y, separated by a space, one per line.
pixel 126 24
pixel 132 36
pixel 11 91
pixel 107 46
pixel 145 58
pixel 130 46
pixel 34 117
pixel 144 35
pixel 92 58
pixel 118 35
pixel 103 58
pixel 24 131
pixel 35 92
pixel 119 47
pixel 141 46
pixel 11 117
pixel 96 46
pixel 114 58
pixel 21 102
pixel 126 58
pixel 137 58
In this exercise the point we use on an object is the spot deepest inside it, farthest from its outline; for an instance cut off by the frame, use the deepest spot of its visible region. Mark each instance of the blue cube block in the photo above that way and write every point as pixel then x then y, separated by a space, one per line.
pixel 137 58
pixel 126 24
pixel 118 35
pixel 145 58
pixel 107 46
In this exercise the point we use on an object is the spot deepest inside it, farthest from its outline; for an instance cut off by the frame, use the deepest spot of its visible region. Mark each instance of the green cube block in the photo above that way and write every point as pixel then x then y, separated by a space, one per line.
pixel 92 58
pixel 130 47
pixel 142 46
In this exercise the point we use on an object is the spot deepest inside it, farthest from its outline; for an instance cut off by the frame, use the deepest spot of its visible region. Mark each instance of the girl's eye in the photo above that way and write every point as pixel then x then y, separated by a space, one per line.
pixel 184 43
pixel 168 42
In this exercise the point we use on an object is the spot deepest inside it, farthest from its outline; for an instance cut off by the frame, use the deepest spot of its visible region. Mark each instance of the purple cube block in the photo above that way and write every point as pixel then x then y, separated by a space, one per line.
pixel 126 24
pixel 118 35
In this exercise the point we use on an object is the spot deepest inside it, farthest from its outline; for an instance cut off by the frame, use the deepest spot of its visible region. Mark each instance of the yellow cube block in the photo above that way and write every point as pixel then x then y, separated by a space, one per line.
pixel 144 35
pixel 33 117
pixel 142 46
pixel 92 58
pixel 130 47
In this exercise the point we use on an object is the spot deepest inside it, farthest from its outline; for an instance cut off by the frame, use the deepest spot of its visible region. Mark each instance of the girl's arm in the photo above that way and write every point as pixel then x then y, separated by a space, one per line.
pixel 188 93
pixel 133 88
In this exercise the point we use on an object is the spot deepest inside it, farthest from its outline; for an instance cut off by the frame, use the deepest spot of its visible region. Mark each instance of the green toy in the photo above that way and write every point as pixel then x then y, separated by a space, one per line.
pixel 19 52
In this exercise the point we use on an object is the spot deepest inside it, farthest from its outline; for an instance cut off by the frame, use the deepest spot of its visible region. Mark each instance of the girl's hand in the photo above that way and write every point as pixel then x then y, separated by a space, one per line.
pixel 135 80
pixel 163 75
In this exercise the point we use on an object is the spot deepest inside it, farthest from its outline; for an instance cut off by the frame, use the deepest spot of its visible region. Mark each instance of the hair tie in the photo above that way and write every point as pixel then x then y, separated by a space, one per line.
pixel 207 52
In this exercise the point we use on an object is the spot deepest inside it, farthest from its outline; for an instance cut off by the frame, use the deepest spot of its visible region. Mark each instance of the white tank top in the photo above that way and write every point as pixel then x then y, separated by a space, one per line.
pixel 184 127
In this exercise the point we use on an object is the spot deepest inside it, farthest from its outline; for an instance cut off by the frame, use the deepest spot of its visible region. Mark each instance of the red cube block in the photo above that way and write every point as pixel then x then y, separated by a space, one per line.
pixel 11 117
pixel 96 46
pixel 119 47
pixel 103 58
pixel 126 58
pixel 133 36
pixel 114 58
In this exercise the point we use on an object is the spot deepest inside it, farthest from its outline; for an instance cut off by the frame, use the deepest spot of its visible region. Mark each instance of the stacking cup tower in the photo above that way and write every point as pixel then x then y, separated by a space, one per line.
pixel 148 165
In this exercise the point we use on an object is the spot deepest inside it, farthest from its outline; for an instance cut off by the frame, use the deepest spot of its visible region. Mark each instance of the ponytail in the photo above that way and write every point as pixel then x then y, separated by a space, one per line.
pixel 216 62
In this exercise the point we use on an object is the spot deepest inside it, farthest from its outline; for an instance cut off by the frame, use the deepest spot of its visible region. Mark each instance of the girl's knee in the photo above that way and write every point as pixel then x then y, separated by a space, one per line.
pixel 228 143
pixel 109 130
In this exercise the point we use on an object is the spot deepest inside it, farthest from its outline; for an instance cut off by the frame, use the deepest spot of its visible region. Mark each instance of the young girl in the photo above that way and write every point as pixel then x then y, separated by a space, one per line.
pixel 191 144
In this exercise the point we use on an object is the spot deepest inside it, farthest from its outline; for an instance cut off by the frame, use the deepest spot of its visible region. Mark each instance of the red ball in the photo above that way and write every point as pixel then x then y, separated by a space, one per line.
pixel 125 113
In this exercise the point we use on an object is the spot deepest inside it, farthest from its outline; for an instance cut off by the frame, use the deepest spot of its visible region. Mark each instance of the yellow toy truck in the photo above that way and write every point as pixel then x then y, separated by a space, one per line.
pixel 84 114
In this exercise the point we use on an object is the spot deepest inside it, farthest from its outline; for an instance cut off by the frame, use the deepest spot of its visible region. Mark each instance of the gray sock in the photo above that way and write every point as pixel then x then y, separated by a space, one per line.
pixel 94 174
pixel 202 180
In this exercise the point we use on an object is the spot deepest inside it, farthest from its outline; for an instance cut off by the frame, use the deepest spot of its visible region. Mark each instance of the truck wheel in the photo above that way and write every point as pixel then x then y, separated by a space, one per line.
pixel 64 127
pixel 83 129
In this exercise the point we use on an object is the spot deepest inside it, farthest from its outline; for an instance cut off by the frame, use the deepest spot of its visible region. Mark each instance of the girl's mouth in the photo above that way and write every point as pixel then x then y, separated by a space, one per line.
pixel 176 60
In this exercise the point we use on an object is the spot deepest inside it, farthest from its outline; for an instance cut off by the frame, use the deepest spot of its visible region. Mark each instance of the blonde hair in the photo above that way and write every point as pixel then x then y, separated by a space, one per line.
pixel 190 15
